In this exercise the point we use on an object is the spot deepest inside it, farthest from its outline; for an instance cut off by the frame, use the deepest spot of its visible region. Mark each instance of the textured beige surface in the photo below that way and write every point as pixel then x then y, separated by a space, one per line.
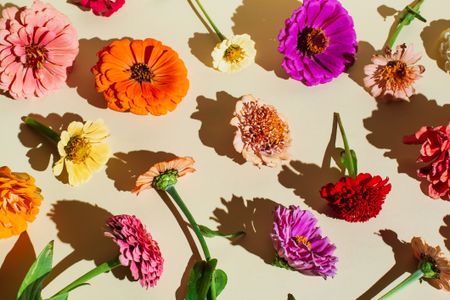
pixel 224 191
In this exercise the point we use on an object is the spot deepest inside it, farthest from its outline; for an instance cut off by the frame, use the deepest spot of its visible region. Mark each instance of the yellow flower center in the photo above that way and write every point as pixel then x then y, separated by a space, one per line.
pixel 35 56
pixel 312 41
pixel 234 54
pixel 78 149
pixel 300 239
pixel 141 73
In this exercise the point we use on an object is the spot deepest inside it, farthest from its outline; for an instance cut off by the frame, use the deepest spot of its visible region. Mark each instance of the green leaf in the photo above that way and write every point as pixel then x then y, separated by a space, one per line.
pixel 291 297
pixel 346 161
pixel 206 232
pixel 200 279
pixel 64 296
pixel 32 284
pixel 220 279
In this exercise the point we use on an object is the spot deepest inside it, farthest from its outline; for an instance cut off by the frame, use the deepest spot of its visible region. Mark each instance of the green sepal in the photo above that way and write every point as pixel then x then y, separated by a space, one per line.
pixel 428 268
pixel 31 286
pixel 220 279
pixel 200 279
pixel 345 161
pixel 207 232
pixel 281 263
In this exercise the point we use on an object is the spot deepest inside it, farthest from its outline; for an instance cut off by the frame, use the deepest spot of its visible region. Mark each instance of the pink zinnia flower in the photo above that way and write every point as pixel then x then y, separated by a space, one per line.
pixel 435 150
pixel 138 250
pixel 103 7
pixel 393 74
pixel 37 46
pixel 299 242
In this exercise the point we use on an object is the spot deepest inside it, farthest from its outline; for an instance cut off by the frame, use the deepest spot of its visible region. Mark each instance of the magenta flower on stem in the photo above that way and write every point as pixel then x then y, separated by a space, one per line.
pixel 318 42
pixel 299 243
pixel 138 250
pixel 37 47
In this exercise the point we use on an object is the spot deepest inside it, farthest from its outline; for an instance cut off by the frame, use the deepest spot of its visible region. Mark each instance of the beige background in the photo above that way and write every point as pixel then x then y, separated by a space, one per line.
pixel 225 192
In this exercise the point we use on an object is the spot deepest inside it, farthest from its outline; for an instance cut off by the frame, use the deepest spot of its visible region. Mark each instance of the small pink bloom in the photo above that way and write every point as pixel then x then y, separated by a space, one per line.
pixel 138 250
pixel 103 7
pixel 37 46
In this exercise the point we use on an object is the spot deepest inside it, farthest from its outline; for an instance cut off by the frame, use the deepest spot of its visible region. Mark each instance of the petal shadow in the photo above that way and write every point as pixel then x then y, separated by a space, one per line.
pixel 445 231
pixel 431 40
pixel 363 58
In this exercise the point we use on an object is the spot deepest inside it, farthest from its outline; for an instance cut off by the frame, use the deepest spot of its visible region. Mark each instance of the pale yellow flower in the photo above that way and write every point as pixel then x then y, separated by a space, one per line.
pixel 83 150
pixel 234 54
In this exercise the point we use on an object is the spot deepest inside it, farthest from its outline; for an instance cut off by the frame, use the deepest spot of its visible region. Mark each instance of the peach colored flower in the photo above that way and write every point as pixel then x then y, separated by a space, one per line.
pixel 172 169
pixel 393 74
pixel 440 265
pixel 262 134
pixel 20 199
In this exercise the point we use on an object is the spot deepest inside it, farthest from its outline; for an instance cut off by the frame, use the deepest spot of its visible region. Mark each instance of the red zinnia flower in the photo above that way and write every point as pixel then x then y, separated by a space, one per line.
pixel 357 199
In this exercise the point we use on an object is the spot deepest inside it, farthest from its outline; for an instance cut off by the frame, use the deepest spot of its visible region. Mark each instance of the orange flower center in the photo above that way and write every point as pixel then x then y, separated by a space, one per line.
pixel 77 149
pixel 262 128
pixel 35 56
pixel 300 239
pixel 396 72
pixel 13 203
pixel 312 41
pixel 141 73
pixel 234 54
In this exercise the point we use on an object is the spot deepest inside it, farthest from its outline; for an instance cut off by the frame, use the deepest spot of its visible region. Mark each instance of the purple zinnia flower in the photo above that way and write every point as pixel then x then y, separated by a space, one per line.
pixel 138 250
pixel 299 243
pixel 319 42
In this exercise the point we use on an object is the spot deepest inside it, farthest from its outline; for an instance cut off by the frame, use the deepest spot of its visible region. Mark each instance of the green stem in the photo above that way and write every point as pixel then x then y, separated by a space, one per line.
pixel 42 129
pixel 411 278
pixel 351 167
pixel 104 267
pixel 213 289
pixel 173 193
pixel 219 34
pixel 407 15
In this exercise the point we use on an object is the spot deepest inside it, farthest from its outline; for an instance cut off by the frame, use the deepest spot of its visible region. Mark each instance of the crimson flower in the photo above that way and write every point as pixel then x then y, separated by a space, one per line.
pixel 103 8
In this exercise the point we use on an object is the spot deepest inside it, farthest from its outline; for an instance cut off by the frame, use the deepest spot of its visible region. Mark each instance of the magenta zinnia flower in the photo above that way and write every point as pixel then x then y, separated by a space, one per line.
pixel 319 42
pixel 37 46
pixel 103 7
pixel 299 242
pixel 138 250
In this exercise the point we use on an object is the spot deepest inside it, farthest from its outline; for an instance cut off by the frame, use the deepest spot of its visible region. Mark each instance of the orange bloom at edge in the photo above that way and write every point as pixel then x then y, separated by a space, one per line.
pixel 19 202
pixel 141 76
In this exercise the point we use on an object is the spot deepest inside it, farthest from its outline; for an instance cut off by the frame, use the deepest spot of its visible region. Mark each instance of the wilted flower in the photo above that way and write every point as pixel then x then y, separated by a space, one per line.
pixel 234 54
pixel 83 150
pixel 318 42
pixel 138 250
pixel 299 242
pixel 445 49
pixel 163 174
pixel 262 134
pixel 435 151
pixel 37 46
pixel 20 199
pixel 393 74
pixel 141 76
pixel 103 7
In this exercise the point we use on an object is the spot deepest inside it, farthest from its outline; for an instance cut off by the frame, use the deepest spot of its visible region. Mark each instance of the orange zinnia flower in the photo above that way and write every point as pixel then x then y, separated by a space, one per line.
pixel 141 76
pixel 19 202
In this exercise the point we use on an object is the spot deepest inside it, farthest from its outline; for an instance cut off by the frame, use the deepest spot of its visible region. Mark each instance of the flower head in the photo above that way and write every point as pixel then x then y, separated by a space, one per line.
pixel 357 199
pixel 445 49
pixel 138 250
pixel 37 46
pixel 141 76
pixel 393 74
pixel 318 42
pixel 103 7
pixel 262 134
pixel 20 199
pixel 83 150
pixel 433 263
pixel 234 54
pixel 299 242
pixel 435 151
pixel 164 174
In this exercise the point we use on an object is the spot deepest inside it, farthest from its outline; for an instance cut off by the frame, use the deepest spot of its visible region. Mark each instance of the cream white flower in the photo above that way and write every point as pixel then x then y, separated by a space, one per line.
pixel 82 150
pixel 445 49
pixel 234 54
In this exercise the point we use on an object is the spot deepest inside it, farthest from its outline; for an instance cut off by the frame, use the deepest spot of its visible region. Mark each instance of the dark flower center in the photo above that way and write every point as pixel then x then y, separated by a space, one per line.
pixel 312 41
pixel 77 149
pixel 396 70
pixel 35 56
pixel 141 73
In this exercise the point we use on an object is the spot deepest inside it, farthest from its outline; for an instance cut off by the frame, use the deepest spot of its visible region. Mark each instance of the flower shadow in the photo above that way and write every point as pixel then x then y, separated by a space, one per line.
pixel 445 231
pixel 216 131
pixel 431 40
pixel 363 58
pixel 404 262
pixel 263 20
pixel 391 121
pixel 85 236
pixel 124 168
pixel 15 266
pixel 41 148
pixel 386 11
pixel 255 217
